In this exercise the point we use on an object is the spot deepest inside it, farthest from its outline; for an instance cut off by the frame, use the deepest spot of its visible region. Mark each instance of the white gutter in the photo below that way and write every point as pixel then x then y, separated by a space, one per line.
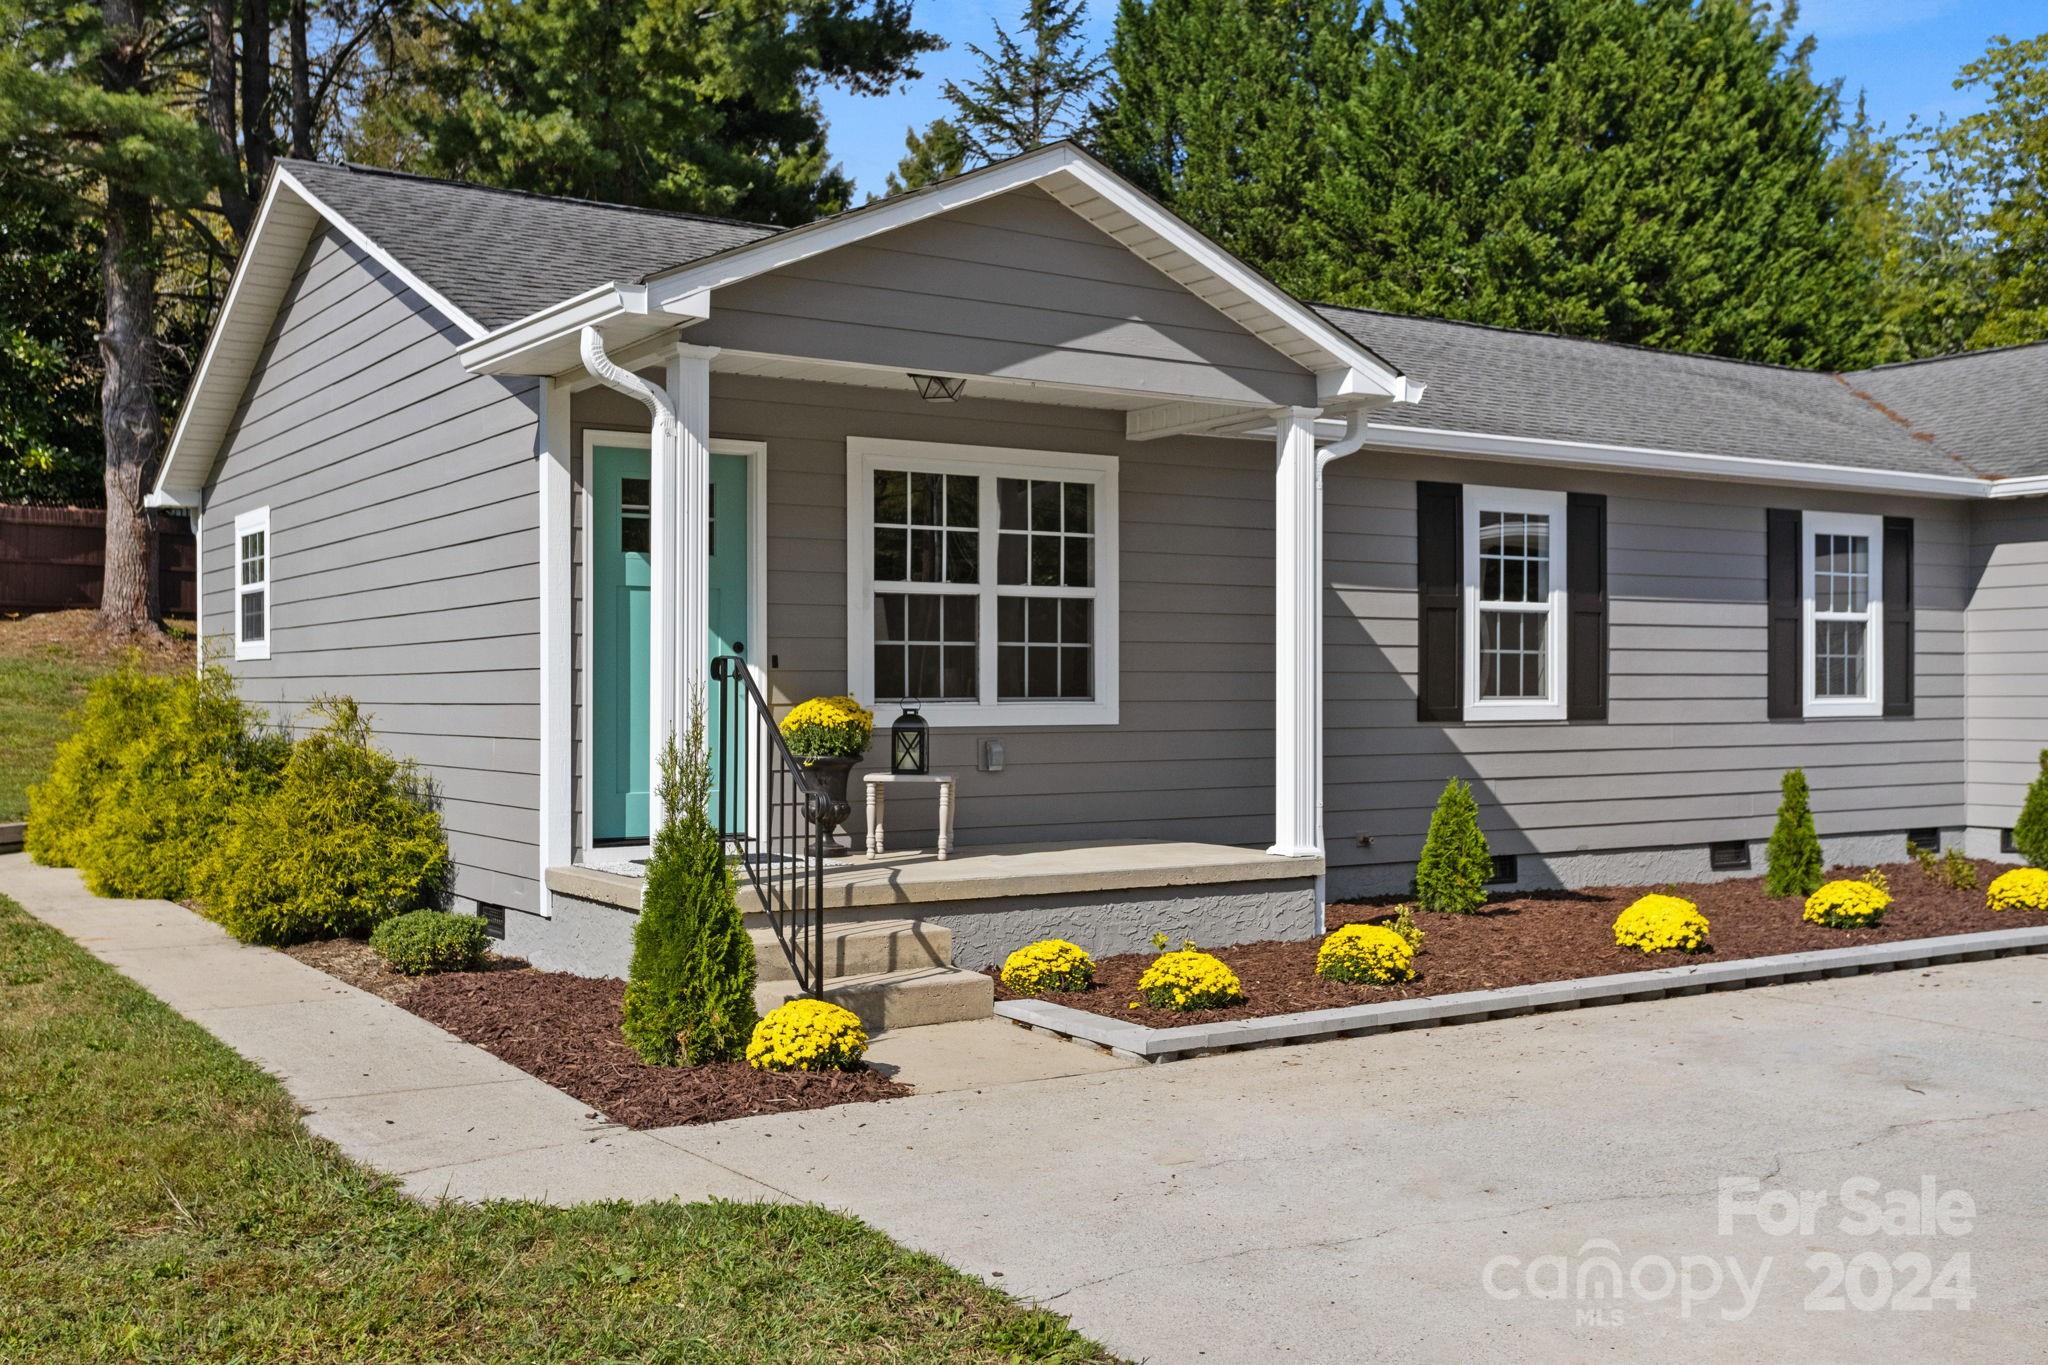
pixel 2031 486
pixel 503 350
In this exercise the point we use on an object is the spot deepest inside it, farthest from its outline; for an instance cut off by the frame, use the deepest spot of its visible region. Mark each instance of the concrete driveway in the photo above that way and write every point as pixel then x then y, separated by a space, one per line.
pixel 1409 1196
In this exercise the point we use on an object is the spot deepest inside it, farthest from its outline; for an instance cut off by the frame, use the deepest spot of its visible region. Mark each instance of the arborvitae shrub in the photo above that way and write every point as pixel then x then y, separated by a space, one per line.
pixel 423 941
pixel 690 990
pixel 118 707
pixel 1792 860
pixel 1455 864
pixel 202 757
pixel 2030 831
pixel 347 838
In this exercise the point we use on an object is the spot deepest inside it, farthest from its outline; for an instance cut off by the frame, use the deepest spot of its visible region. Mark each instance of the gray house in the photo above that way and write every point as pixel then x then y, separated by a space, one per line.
pixel 1203 590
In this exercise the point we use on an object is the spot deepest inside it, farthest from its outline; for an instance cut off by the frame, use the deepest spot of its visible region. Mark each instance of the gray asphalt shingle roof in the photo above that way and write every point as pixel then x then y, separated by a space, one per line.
pixel 1990 407
pixel 499 255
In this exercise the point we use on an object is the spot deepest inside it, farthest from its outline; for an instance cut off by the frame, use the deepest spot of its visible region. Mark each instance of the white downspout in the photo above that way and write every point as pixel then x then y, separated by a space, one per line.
pixel 1349 443
pixel 662 539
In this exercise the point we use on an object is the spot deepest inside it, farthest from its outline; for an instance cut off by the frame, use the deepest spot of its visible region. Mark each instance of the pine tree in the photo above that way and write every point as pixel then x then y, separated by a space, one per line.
pixel 938 153
pixel 1792 860
pixel 1033 89
pixel 690 989
pixel 1455 865
pixel 1220 109
pixel 2030 831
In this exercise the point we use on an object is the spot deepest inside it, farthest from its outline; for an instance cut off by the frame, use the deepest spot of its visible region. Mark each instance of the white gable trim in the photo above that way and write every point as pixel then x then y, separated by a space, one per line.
pixel 285 223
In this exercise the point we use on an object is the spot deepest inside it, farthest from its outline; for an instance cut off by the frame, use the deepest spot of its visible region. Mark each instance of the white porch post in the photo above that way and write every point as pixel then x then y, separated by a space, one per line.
pixel 1297 637
pixel 557 630
pixel 679 604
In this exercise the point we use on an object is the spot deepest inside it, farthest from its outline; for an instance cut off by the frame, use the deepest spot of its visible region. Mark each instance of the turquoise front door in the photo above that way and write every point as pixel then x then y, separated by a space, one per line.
pixel 620 659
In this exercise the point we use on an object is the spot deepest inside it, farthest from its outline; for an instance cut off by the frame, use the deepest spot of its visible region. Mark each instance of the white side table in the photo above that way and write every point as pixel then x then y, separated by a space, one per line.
pixel 878 800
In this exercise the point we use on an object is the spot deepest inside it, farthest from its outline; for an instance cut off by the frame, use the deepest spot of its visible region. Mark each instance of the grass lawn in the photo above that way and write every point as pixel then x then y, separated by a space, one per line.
pixel 45 663
pixel 163 1203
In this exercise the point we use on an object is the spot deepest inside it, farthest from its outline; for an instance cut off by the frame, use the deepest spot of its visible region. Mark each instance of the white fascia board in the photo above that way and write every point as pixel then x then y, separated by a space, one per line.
pixel 440 302
pixel 2032 486
pixel 512 348
pixel 1643 460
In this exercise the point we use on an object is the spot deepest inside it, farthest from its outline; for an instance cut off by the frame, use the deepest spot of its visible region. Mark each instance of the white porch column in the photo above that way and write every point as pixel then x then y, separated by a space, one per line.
pixel 557 630
pixel 1297 637
pixel 679 604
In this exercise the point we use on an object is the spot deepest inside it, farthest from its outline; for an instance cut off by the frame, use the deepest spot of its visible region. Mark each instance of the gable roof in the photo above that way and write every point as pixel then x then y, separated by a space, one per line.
pixel 1988 407
pixel 1498 382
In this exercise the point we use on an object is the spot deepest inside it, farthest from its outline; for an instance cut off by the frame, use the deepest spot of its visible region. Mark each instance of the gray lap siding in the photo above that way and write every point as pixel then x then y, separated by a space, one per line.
pixel 404 548
pixel 1687 755
pixel 2008 672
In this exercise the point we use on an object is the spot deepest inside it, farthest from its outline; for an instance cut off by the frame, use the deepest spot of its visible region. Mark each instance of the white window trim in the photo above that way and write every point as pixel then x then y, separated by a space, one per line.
pixel 1479 499
pixel 1871 703
pixel 864 454
pixel 246 524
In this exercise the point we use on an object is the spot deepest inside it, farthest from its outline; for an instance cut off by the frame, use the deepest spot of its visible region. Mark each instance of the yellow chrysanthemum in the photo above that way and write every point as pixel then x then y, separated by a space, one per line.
pixel 1051 964
pixel 1659 924
pixel 1189 980
pixel 1847 905
pixel 828 727
pixel 1369 953
pixel 807 1035
pixel 2023 888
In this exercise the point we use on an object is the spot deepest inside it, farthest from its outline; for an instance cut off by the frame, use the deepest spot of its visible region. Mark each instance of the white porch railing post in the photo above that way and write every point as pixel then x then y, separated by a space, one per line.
pixel 1297 637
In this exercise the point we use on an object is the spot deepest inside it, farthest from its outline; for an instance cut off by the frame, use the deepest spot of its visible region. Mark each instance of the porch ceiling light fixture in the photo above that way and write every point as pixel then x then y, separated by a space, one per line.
pixel 937 388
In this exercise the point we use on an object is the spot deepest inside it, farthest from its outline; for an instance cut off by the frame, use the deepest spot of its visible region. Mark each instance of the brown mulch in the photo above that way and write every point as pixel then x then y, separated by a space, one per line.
pixel 353 960
pixel 565 1030
pixel 76 635
pixel 1548 936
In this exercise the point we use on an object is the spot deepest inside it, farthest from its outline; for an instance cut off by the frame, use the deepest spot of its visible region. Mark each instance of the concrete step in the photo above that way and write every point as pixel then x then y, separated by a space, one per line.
pixel 898 1000
pixel 862 948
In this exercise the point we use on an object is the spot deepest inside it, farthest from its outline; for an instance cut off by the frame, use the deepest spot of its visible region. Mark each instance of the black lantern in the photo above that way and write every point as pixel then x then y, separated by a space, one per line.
pixel 907 751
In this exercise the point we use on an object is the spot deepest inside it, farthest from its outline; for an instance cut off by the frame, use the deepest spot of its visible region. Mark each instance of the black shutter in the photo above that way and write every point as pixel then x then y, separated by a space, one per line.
pixel 1781 580
pixel 1898 616
pixel 1439 563
pixel 1585 638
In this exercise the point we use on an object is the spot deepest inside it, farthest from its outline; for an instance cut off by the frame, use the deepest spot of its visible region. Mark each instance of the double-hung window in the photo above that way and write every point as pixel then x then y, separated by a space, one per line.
pixel 1514 611
pixel 1843 577
pixel 982 583
pixel 252 584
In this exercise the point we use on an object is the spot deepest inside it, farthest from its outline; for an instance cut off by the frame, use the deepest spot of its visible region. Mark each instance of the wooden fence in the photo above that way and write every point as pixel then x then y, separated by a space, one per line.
pixel 51 558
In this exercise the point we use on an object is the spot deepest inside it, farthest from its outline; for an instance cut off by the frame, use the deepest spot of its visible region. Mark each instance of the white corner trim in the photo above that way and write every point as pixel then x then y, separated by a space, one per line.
pixel 1645 460
pixel 863 454
pixel 1871 703
pixel 557 634
pixel 1477 499
pixel 252 522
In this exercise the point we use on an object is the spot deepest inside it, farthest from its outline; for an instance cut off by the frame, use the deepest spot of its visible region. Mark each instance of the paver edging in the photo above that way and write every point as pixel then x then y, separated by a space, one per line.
pixel 1140 1043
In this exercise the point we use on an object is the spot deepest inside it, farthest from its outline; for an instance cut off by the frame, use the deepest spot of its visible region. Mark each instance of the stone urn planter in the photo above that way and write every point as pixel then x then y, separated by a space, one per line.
pixel 832 773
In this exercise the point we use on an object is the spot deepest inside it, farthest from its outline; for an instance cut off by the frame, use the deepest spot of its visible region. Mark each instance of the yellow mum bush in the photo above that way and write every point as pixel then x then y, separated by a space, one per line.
pixel 1847 905
pixel 1366 952
pixel 1659 924
pixel 807 1035
pixel 1189 980
pixel 1051 964
pixel 828 727
pixel 2023 888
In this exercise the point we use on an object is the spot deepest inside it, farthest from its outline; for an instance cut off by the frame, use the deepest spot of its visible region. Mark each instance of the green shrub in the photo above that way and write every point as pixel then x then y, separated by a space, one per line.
pixel 1958 871
pixel 201 756
pixel 2030 831
pixel 117 707
pixel 423 941
pixel 347 838
pixel 690 990
pixel 1792 861
pixel 1455 864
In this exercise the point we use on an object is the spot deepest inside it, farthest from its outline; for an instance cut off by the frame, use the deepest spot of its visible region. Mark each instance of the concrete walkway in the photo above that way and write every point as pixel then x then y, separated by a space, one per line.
pixel 1381 1198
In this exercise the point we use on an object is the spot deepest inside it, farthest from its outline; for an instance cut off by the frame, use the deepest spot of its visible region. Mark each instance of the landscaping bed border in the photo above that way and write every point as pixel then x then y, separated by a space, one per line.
pixel 1138 1043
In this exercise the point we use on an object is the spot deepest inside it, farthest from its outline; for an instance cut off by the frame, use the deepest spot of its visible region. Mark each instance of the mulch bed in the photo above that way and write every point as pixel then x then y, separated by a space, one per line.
pixel 353 960
pixel 1547 936
pixel 565 1030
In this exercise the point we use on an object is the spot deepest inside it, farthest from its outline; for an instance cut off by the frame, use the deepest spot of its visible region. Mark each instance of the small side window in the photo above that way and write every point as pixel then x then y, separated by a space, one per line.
pixel 252 584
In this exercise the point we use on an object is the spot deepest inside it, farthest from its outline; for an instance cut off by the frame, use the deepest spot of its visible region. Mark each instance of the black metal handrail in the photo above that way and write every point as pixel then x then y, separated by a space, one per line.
pixel 767 812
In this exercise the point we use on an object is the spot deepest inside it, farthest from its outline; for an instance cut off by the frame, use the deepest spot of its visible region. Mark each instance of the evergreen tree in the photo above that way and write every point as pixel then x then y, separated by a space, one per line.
pixel 2030 831
pixel 1033 89
pixel 1455 865
pixel 49 374
pixel 690 989
pixel 1792 859
pixel 671 104
pixel 1648 171
pixel 1221 108
pixel 938 153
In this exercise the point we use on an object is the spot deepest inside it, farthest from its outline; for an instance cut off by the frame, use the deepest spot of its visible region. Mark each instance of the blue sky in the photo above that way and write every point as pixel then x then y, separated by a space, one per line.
pixel 1903 53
